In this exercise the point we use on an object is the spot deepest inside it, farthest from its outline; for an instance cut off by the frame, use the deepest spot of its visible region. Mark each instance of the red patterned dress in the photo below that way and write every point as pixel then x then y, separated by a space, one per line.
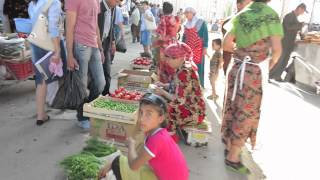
pixel 167 31
pixel 241 112
pixel 188 104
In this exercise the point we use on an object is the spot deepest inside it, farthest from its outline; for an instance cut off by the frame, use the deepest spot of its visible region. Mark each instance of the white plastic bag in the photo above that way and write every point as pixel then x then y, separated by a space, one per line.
pixel 52 89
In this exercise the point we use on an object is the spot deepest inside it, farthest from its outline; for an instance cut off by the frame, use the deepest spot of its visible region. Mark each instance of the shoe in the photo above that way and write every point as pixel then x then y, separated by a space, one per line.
pixel 41 122
pixel 213 97
pixel 237 167
pixel 85 125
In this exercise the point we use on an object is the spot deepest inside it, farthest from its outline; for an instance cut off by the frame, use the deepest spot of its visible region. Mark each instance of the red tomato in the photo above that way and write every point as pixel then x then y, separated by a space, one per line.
pixel 132 96
pixel 128 97
pixel 117 91
pixel 121 89
pixel 120 95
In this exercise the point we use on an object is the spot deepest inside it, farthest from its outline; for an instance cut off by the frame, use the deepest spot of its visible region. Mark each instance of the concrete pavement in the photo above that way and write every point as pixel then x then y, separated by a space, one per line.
pixel 30 152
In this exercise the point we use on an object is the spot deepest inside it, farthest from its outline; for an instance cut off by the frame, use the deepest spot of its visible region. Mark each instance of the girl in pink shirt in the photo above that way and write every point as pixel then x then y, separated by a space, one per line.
pixel 161 158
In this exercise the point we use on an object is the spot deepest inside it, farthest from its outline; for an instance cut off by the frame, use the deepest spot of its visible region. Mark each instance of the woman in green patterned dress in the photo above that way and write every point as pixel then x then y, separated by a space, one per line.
pixel 257 31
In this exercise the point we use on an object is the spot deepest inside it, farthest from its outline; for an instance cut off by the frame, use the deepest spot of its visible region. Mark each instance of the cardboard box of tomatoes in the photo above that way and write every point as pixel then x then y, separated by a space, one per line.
pixel 135 80
pixel 141 63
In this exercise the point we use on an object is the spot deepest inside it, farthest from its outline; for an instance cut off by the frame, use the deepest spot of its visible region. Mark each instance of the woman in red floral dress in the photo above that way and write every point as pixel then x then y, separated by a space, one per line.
pixel 166 34
pixel 186 104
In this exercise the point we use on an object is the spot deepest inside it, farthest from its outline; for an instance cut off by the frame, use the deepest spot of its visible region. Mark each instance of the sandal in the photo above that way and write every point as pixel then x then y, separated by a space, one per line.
pixel 210 97
pixel 237 167
pixel 40 122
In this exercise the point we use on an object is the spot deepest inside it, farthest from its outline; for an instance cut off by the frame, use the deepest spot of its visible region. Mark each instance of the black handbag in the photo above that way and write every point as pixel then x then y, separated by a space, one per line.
pixel 121 45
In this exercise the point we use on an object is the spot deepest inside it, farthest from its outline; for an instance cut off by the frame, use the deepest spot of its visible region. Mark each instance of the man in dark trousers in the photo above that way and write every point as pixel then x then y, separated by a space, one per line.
pixel 106 20
pixel 291 26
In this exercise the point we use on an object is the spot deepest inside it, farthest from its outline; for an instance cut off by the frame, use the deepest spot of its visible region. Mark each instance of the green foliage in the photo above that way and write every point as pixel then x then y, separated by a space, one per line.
pixel 81 166
pixel 99 148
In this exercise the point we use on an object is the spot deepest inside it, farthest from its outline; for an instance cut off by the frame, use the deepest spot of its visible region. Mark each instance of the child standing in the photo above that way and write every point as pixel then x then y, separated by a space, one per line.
pixel 216 63
pixel 163 156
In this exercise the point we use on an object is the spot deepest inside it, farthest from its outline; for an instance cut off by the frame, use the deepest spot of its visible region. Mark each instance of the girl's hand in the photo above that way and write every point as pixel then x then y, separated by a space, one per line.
pixel 56 58
pixel 103 171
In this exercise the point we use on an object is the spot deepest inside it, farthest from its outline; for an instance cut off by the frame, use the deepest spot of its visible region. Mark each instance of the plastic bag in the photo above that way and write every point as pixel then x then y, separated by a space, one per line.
pixel 52 89
pixel 121 45
pixel 71 93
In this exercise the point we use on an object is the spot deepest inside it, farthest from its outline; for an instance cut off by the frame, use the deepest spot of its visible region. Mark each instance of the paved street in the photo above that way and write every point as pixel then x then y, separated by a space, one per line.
pixel 287 137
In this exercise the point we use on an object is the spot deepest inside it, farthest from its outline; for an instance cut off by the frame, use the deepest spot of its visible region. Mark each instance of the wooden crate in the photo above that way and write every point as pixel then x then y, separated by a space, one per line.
pixel 130 118
pixel 135 80
pixel 135 66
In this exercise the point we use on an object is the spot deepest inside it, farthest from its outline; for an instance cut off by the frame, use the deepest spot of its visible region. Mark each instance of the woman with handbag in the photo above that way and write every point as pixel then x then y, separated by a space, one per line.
pixel 43 42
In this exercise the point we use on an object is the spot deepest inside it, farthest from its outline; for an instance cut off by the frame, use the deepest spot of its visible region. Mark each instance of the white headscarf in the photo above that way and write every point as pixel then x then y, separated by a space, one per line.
pixel 192 23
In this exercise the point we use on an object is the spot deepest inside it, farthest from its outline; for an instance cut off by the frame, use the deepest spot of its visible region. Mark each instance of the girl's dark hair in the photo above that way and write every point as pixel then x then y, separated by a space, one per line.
pixel 167 8
pixel 35 1
pixel 158 103
pixel 217 41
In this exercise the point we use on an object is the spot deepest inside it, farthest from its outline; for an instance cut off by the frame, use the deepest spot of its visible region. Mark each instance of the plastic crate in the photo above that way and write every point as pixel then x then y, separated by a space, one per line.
pixel 20 69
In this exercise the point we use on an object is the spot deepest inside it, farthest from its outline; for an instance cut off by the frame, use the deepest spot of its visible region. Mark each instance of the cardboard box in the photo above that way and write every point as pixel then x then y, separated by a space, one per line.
pixel 115 131
pixel 114 126
pixel 135 80
pixel 198 137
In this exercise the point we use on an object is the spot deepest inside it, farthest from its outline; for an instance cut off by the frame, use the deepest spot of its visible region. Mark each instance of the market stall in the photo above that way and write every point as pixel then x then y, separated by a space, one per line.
pixel 15 58
pixel 307 60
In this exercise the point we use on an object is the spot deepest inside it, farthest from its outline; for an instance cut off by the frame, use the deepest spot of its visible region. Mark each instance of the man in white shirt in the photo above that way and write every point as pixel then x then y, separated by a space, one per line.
pixel 135 19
